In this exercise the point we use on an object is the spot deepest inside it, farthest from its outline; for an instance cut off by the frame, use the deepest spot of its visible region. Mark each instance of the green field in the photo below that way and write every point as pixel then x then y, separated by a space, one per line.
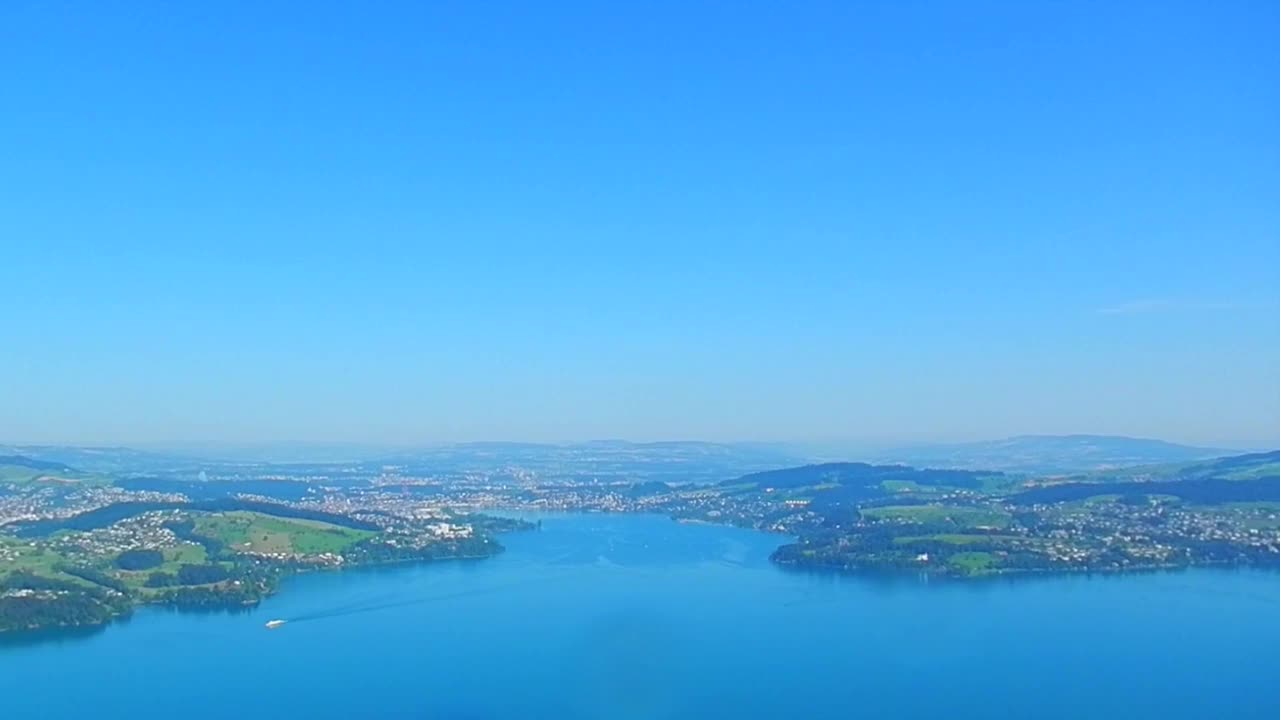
pixel 16 555
pixel 39 560
pixel 174 558
pixel 969 517
pixel 253 532
pixel 1001 484
pixel 909 486
pixel 189 553
pixel 971 562
pixel 952 539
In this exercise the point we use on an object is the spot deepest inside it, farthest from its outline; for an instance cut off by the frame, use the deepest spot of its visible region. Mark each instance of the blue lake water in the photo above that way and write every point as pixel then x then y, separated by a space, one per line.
pixel 601 616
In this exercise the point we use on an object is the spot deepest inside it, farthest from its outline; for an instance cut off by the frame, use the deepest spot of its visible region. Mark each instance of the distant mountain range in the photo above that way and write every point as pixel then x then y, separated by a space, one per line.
pixel 1051 454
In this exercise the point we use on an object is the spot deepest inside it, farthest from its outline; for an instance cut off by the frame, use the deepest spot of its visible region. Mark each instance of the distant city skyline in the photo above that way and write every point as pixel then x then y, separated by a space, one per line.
pixel 812 222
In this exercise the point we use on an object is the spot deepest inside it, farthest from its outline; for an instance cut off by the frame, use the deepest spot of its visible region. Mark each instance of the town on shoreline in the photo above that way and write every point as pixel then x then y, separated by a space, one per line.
pixel 82 548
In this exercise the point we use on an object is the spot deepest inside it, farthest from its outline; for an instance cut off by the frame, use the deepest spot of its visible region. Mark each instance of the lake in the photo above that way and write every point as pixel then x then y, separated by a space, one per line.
pixel 605 616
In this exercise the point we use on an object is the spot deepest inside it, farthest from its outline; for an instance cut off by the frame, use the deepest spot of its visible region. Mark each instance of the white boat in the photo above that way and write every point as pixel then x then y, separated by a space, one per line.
pixel 273 624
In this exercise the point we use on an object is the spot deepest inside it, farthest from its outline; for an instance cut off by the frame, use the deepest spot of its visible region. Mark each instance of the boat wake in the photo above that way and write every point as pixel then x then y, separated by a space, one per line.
pixel 387 603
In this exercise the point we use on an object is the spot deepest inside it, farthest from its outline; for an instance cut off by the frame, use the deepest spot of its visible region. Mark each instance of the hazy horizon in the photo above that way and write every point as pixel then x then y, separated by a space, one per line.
pixel 830 445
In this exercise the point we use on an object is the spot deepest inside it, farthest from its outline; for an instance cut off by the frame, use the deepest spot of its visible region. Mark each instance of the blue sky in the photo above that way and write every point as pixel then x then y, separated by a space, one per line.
pixel 420 222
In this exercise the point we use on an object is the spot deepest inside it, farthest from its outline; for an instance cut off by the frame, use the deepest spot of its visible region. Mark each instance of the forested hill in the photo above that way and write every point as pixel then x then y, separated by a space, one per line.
pixel 107 515
pixel 26 462
pixel 1233 467
pixel 22 469
pixel 1240 478
pixel 1204 480
pixel 861 475
pixel 1253 465
pixel 1052 454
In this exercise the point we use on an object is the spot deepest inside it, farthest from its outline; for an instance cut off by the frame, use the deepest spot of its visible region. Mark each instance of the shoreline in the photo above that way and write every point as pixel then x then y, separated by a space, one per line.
pixel 854 572
pixel 1016 574
pixel 34 632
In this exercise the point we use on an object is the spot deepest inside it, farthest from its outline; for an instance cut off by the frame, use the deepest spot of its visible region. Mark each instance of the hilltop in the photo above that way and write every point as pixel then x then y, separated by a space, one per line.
pixel 1052 454
pixel 20 469
pixel 1250 466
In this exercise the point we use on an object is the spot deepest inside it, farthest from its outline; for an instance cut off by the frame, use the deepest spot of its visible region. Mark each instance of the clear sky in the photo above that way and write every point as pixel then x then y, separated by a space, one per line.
pixel 413 222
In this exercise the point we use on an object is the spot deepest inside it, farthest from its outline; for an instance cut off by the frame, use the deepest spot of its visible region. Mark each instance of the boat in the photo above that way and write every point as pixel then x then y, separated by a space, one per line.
pixel 273 624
